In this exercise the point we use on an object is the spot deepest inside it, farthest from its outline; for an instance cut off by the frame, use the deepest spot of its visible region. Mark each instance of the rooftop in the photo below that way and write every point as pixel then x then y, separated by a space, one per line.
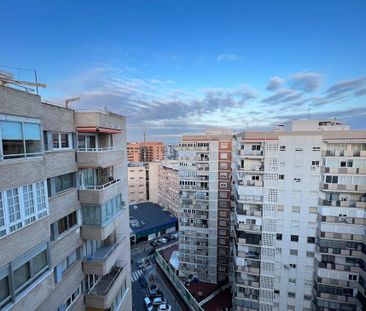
pixel 150 216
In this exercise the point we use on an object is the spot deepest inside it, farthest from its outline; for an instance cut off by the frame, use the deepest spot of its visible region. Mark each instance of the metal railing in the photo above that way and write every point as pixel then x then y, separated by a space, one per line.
pixel 100 187
pixel 110 148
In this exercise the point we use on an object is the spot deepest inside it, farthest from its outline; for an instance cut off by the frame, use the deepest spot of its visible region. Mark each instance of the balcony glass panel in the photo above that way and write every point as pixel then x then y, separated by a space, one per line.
pixel 100 215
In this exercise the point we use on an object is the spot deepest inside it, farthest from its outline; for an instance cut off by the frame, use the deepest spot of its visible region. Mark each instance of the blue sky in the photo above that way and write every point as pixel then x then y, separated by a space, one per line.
pixel 182 66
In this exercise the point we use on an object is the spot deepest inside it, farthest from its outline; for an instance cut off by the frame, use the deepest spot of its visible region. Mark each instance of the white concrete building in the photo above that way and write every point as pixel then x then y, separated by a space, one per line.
pixel 278 179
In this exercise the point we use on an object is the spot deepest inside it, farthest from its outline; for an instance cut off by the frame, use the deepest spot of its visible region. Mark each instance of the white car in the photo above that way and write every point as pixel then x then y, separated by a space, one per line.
pixel 148 305
pixel 159 301
pixel 163 240
pixel 165 307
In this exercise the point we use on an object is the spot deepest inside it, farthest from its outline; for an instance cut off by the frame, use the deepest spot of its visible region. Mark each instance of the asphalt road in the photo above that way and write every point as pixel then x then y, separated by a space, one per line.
pixel 139 293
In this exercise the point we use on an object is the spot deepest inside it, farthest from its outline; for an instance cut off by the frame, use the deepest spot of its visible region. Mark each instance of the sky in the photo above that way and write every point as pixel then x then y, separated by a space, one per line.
pixel 179 66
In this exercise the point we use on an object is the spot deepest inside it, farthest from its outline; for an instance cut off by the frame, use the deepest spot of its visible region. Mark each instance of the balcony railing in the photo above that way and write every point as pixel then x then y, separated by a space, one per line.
pixel 103 252
pixel 110 148
pixel 100 187
pixel 102 287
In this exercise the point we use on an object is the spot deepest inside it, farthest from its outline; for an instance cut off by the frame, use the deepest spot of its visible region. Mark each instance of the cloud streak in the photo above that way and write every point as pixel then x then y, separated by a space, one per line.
pixel 228 57
pixel 169 111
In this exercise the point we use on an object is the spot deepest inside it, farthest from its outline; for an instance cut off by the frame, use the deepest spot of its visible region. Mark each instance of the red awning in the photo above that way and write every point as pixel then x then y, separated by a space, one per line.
pixel 98 130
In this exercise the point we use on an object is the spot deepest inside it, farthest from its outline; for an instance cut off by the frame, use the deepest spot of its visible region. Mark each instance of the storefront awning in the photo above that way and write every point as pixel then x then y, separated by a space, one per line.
pixel 98 130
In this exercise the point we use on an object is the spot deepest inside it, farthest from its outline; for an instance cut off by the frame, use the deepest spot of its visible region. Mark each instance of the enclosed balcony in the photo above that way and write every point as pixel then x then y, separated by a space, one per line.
pixel 102 260
pixel 98 185
pixel 98 150
pixel 100 220
pixel 102 295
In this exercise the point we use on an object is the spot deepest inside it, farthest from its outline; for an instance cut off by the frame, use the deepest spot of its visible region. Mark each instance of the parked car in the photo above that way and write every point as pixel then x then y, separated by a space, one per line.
pixel 142 263
pixel 147 304
pixel 165 307
pixel 158 301
pixel 142 281
pixel 158 293
pixel 153 289
pixel 150 251
pixel 174 236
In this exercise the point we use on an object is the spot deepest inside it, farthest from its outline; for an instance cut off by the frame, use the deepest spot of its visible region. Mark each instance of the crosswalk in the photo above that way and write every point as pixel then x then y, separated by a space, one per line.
pixel 136 274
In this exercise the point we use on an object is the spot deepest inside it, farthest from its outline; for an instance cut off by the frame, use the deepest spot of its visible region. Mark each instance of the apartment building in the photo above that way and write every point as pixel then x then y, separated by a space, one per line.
pixel 205 190
pixel 136 182
pixel 145 151
pixel 281 238
pixel 63 219
pixel 168 186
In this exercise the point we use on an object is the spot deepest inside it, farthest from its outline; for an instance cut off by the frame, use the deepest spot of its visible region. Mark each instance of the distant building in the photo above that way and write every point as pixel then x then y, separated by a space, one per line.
pixel 137 183
pixel 143 185
pixel 145 152
pixel 171 152
pixel 205 193
pixel 169 186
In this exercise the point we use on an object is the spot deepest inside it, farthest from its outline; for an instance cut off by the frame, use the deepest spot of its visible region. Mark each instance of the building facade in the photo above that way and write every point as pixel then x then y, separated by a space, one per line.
pixel 63 219
pixel 137 182
pixel 204 216
pixel 280 246
pixel 145 152
pixel 169 186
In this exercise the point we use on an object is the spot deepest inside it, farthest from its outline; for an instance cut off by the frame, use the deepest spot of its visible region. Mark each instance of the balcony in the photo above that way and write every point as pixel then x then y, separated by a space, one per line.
pixel 340 203
pixel 251 153
pixel 101 121
pixel 102 295
pixel 100 193
pixel 99 157
pixel 102 261
pixel 343 153
pixel 342 187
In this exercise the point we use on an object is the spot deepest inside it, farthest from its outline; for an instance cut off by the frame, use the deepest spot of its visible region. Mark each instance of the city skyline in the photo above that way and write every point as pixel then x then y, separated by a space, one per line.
pixel 181 67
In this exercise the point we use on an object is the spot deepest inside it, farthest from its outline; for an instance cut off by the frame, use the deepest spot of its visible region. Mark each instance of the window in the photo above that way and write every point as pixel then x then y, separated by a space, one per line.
pixel 223 176
pixel 293 252
pixel 61 140
pixel 294 238
pixel 14 209
pixel 70 301
pixel 331 179
pixel 316 148
pixel 222 195
pixel 281 177
pixel 292 280
pixel 224 165
pixel 307 297
pixel 315 163
pixel 298 149
pixel 311 239
pixel 292 266
pixel 291 295
pixel 30 270
pixel 22 206
pixel 20 139
pixel 4 291
pixel 352 277
pixel 296 209
pixel 64 182
pixel 279 236
pixel 310 254
pixel 223 155
pixel 64 224
pixel 282 148
pixel 64 265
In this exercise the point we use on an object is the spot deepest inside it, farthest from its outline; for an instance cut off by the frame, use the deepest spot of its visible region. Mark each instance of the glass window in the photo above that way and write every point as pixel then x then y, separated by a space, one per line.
pixel 12 139
pixel 21 275
pixel 2 220
pixel 41 199
pixel 62 225
pixel 32 136
pixel 39 262
pixel 64 140
pixel 4 289
pixel 28 200
pixel 294 238
pixel 64 182
pixel 55 141
pixel 13 205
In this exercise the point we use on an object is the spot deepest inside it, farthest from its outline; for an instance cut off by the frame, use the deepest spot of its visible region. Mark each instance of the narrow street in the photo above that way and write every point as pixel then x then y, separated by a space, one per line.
pixel 138 252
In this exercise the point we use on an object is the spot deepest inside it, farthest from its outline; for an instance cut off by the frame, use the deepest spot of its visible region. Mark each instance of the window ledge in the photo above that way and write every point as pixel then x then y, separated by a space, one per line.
pixel 66 233
pixel 22 159
pixel 62 193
